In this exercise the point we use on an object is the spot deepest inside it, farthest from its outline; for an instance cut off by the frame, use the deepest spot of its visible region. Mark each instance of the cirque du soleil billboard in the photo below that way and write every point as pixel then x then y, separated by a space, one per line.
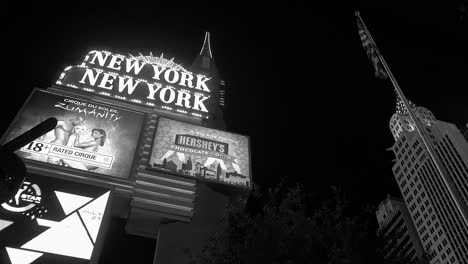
pixel 52 221
pixel 89 136
pixel 202 153
pixel 152 82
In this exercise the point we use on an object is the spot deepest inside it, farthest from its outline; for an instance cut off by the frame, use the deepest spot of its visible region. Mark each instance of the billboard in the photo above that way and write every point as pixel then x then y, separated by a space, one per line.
pixel 89 136
pixel 147 80
pixel 202 153
pixel 53 221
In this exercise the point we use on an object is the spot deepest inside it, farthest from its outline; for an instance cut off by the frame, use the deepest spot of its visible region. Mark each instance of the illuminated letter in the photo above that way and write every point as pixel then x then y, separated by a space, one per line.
pixel 135 65
pixel 101 59
pixel 182 140
pixel 201 83
pixel 215 146
pixel 90 74
pixel 167 74
pixel 162 95
pixel 152 91
pixel 157 72
pixel 61 105
pixel 198 104
pixel 127 83
pixel 106 80
pixel 183 96
pixel 115 63
pixel 186 78
pixel 205 145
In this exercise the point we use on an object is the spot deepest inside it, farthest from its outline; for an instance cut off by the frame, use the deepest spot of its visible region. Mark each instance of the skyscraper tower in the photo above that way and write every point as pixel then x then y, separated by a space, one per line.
pixel 430 168
pixel 436 202
pixel 397 228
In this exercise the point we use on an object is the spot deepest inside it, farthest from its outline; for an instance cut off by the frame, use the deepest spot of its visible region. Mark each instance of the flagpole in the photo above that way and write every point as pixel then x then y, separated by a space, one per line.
pixel 427 143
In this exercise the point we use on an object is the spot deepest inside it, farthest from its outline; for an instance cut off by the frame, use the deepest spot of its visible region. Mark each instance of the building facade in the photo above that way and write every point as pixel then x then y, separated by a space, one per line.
pixel 434 207
pixel 398 230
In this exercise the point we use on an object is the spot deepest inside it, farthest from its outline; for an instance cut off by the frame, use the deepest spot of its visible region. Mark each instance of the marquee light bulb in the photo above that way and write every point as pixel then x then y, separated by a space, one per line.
pixel 88 89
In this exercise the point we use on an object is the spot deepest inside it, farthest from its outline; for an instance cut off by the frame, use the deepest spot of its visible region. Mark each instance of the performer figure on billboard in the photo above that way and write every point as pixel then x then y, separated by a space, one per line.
pixel 62 132
pixel 99 137
pixel 77 132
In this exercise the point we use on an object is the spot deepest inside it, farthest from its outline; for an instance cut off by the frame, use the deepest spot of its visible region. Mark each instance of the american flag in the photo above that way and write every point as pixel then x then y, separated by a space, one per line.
pixel 371 49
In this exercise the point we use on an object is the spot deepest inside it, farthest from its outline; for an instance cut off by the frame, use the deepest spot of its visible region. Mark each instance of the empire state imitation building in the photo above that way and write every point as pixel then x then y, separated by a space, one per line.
pixel 433 206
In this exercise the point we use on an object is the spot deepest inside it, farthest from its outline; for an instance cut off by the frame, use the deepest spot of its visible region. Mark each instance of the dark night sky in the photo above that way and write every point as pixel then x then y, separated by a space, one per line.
pixel 300 84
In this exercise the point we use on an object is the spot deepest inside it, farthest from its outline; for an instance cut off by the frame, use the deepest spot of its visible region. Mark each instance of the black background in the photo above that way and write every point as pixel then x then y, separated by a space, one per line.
pixel 299 82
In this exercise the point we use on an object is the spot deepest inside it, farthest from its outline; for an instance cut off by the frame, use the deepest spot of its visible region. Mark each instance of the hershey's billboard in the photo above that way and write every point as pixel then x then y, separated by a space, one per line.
pixel 200 152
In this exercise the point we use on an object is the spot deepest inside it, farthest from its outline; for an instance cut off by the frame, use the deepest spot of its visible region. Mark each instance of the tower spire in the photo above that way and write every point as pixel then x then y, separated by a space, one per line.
pixel 204 62
pixel 400 106
pixel 206 49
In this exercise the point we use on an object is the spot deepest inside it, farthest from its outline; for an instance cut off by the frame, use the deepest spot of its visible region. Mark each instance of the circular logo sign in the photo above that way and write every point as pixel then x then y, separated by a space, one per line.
pixel 25 199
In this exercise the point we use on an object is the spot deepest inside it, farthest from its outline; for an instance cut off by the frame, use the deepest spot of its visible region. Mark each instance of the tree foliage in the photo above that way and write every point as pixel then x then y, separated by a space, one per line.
pixel 293 227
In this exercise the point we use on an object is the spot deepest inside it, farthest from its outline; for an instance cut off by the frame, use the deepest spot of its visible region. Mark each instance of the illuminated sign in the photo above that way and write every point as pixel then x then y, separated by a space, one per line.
pixel 152 82
pixel 89 136
pixel 28 196
pixel 201 152
pixel 62 226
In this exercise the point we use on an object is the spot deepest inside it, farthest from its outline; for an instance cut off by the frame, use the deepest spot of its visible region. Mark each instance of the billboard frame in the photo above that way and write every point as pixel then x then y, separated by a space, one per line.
pixel 87 177
pixel 213 183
